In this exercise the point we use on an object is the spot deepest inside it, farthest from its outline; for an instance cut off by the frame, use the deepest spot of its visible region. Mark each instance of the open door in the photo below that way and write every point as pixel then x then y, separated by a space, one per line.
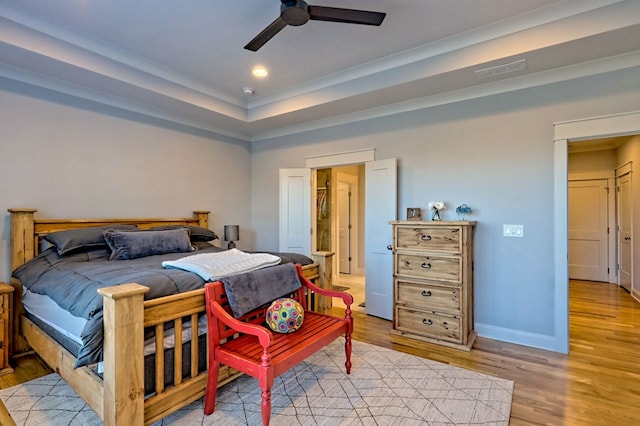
pixel 625 250
pixel 295 211
pixel 380 208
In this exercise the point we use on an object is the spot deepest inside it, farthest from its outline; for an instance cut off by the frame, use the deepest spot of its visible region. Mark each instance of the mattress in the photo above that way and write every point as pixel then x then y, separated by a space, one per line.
pixel 49 312
pixel 45 311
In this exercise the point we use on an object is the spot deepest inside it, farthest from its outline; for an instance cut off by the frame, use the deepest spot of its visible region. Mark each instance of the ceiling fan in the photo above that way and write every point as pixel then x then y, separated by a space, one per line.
pixel 298 12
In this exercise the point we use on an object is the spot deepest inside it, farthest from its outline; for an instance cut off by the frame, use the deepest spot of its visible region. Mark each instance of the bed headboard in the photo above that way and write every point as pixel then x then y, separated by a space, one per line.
pixel 26 230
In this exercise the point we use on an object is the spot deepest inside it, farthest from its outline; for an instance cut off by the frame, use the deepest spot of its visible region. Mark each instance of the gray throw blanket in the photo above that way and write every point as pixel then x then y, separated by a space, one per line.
pixel 251 290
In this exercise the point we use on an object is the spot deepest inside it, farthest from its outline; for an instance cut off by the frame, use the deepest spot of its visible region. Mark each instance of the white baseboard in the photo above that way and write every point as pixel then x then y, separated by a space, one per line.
pixel 540 341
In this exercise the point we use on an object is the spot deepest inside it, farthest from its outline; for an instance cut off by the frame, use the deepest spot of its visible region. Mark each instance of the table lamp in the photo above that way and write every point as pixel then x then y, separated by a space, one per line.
pixel 231 234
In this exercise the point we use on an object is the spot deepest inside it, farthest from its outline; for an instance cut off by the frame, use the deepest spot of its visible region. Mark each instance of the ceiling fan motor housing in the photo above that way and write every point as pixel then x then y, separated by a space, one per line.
pixel 294 13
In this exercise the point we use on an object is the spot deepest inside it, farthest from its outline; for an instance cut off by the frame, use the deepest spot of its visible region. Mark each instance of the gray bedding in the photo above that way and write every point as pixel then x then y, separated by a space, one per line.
pixel 72 281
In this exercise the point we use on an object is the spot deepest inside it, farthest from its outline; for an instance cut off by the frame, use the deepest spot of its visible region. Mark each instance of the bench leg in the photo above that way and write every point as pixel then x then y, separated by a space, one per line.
pixel 212 388
pixel 266 406
pixel 347 350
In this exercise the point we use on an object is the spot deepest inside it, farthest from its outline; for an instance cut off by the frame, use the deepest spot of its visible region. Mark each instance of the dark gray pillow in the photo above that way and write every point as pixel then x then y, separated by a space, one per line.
pixel 196 233
pixel 133 244
pixel 81 238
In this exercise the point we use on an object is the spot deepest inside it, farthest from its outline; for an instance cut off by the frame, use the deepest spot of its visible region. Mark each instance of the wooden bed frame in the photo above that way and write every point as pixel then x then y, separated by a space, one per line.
pixel 118 398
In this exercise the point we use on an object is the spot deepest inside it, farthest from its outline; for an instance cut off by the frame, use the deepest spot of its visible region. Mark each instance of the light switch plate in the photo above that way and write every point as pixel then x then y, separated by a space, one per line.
pixel 513 231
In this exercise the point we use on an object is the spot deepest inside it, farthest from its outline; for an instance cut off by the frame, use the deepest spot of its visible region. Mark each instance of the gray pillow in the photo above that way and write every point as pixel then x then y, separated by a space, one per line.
pixel 196 233
pixel 81 238
pixel 133 244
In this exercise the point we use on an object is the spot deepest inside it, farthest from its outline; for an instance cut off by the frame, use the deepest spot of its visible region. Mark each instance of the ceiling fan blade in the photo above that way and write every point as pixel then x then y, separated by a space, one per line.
pixel 266 35
pixel 350 16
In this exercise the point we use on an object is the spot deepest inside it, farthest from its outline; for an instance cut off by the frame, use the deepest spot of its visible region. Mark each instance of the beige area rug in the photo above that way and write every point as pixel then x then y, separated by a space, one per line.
pixel 385 387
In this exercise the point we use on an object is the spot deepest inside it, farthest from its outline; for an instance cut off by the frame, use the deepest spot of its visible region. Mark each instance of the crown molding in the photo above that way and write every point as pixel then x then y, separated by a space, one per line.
pixel 542 78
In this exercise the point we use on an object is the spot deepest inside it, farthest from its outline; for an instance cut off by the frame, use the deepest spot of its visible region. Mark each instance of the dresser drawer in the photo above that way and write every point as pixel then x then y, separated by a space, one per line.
pixel 430 324
pixel 437 238
pixel 428 296
pixel 441 268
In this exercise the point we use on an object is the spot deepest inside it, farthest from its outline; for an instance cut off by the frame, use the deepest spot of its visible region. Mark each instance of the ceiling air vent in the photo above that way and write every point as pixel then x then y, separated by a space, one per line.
pixel 501 69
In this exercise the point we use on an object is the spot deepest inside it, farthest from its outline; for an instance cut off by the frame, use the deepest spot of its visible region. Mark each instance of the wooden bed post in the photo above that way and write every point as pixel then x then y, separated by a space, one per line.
pixel 23 248
pixel 23 244
pixel 203 217
pixel 324 259
pixel 123 307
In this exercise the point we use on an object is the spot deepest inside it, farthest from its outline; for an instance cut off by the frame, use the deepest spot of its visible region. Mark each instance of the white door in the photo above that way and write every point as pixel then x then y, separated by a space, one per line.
pixel 623 200
pixel 380 208
pixel 295 211
pixel 344 228
pixel 588 230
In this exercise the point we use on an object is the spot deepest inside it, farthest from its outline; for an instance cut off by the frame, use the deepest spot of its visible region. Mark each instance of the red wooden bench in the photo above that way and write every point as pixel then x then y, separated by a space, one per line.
pixel 261 353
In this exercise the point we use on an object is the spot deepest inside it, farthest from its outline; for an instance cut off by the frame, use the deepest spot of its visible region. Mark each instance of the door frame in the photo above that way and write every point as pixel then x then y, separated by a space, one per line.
pixel 325 161
pixel 622 124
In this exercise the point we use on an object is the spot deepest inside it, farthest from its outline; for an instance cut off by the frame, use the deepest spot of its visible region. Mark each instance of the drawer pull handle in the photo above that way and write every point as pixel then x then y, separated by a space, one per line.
pixel 426 265
pixel 426 293
pixel 425 237
pixel 426 321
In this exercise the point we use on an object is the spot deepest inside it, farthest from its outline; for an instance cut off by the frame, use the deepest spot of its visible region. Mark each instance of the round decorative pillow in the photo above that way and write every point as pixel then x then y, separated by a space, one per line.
pixel 285 315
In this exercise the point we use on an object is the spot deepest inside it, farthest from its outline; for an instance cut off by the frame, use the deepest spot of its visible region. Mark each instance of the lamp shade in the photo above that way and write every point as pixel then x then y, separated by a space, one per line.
pixel 231 232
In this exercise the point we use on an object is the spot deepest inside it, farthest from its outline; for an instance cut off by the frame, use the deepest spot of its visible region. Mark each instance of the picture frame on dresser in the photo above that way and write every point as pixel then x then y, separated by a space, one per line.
pixel 414 213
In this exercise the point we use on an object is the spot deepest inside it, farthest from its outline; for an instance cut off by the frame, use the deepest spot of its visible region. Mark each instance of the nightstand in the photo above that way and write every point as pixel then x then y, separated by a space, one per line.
pixel 6 299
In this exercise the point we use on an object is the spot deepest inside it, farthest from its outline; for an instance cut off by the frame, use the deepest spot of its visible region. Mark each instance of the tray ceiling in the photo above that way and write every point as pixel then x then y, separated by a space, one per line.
pixel 184 61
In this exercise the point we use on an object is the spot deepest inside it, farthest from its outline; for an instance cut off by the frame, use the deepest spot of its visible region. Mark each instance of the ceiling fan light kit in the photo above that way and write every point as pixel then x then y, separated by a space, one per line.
pixel 298 12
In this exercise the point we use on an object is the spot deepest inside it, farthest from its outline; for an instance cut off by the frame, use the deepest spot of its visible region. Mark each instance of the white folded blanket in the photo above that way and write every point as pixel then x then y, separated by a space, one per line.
pixel 213 266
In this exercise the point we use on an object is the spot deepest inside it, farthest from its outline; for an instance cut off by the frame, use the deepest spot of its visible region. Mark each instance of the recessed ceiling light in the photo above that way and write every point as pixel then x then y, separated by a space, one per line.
pixel 248 91
pixel 260 71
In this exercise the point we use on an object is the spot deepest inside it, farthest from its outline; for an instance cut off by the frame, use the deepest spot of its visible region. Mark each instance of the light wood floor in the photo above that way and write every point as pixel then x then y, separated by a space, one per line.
pixel 598 383
pixel 355 287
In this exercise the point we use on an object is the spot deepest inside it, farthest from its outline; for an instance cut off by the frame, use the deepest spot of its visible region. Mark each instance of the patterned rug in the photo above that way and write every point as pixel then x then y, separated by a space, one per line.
pixel 385 387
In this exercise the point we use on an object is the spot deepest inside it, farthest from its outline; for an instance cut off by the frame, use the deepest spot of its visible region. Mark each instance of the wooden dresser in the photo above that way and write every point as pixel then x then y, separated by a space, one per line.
pixel 433 281
pixel 6 293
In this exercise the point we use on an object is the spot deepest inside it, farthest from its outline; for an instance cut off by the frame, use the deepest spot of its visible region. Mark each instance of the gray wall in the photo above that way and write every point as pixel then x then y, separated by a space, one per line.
pixel 69 158
pixel 73 158
pixel 495 154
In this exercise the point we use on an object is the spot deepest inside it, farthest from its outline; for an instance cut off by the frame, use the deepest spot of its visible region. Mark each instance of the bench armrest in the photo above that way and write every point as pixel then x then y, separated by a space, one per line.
pixel 346 297
pixel 263 335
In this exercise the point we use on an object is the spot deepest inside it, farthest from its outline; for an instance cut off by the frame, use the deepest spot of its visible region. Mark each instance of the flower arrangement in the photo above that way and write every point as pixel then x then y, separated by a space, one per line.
pixel 435 207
